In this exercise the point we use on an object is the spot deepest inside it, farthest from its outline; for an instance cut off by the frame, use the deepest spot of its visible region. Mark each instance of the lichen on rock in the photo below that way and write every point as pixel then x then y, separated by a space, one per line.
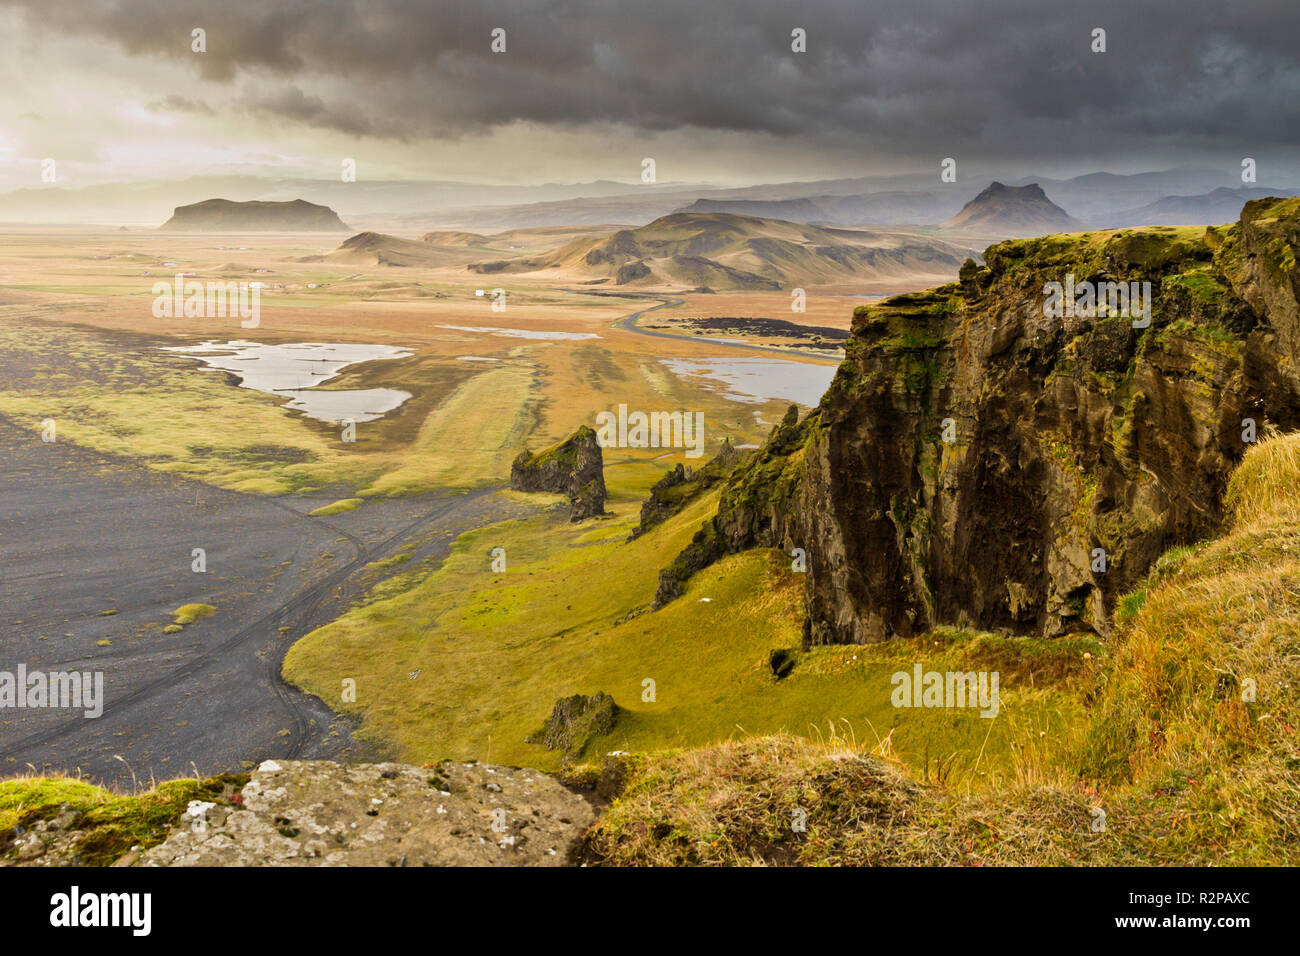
pixel 321 813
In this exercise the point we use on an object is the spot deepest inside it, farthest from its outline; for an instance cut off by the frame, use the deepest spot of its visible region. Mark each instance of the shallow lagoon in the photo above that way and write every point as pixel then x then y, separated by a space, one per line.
pixel 293 371
pixel 760 379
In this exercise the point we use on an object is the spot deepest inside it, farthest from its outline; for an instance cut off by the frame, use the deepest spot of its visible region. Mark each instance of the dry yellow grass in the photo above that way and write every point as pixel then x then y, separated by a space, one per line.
pixel 785 800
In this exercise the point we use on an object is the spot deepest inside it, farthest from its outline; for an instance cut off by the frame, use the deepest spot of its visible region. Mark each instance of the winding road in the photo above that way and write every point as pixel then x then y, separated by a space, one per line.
pixel 628 323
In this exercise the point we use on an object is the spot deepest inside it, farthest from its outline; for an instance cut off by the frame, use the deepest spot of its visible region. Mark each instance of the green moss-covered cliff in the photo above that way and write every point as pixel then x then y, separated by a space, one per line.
pixel 977 455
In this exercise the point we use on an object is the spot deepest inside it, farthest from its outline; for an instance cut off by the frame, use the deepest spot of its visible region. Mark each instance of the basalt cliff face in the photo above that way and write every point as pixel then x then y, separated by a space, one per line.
pixel 978 456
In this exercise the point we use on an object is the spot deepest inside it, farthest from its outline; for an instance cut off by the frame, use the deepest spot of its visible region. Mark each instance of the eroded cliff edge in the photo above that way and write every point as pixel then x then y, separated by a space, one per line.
pixel 975 451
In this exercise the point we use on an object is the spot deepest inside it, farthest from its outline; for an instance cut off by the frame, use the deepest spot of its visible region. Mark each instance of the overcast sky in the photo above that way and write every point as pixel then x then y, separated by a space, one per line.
pixel 586 88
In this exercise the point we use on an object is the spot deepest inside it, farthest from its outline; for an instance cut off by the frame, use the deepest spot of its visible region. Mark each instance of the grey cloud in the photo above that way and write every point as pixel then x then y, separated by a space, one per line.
pixel 903 77
pixel 291 103
pixel 175 103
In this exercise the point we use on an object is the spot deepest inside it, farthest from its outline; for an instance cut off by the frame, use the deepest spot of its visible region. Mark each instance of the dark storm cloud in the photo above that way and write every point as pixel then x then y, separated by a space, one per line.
pixel 909 77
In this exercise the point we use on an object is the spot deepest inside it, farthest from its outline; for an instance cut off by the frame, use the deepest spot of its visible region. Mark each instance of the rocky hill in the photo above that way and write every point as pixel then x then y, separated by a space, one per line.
pixel 223 215
pixel 723 251
pixel 979 460
pixel 456 237
pixel 315 813
pixel 1012 211
pixel 379 249
pixel 446 249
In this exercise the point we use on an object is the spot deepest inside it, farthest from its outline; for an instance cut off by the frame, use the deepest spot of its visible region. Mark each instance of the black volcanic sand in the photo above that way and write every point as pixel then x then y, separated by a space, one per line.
pixel 83 533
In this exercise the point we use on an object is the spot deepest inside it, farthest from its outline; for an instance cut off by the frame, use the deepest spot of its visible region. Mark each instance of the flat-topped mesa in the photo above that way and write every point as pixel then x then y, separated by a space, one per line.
pixel 574 467
pixel 224 215
pixel 984 459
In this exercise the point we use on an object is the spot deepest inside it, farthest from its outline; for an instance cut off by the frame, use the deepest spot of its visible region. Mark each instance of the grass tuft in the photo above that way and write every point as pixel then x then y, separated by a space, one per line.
pixel 189 613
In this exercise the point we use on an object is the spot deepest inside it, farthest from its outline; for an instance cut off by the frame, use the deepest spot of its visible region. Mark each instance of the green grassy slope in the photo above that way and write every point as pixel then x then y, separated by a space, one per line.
pixel 466 662
pixel 1189 755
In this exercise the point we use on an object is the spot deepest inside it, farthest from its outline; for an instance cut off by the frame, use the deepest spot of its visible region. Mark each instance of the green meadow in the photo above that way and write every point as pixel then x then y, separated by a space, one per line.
pixel 465 662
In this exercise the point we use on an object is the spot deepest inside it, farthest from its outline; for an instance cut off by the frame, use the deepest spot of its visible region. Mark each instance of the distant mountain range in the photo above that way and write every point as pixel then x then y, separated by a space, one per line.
pixel 722 251
pixel 150 203
pixel 716 251
pixel 1098 200
pixel 1094 200
pixel 1213 208
pixel 898 207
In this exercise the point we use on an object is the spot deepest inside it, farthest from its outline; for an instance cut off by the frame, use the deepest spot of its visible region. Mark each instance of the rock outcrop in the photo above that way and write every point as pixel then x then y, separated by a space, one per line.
pixel 575 722
pixel 981 460
pixel 683 484
pixel 755 510
pixel 574 467
pixel 320 813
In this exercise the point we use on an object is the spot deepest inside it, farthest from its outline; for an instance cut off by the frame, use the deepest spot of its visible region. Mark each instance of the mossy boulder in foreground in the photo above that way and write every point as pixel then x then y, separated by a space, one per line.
pixel 321 813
